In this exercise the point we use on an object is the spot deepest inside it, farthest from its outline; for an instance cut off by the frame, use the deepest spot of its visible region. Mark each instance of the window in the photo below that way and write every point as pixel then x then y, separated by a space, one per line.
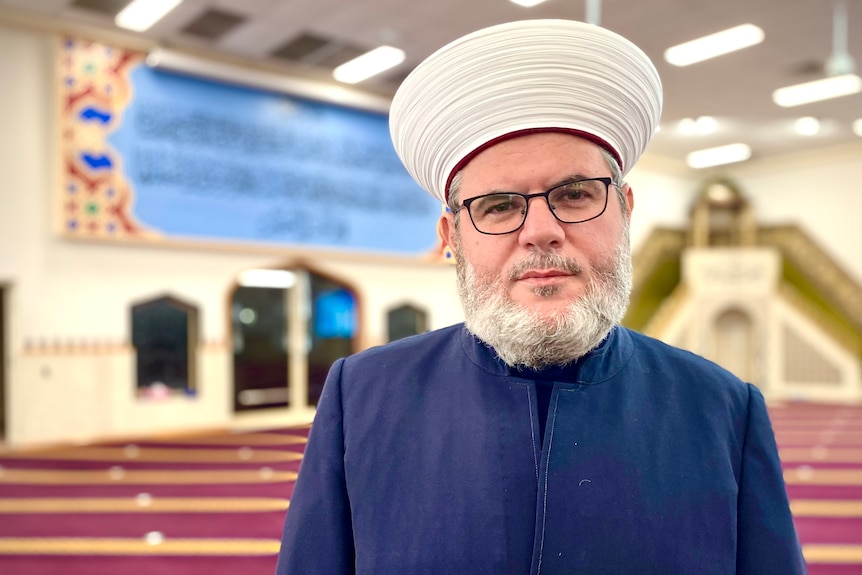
pixel 165 335
pixel 406 320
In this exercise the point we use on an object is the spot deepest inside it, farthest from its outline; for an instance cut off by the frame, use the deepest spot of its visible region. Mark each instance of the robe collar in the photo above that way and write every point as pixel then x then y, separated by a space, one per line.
pixel 598 366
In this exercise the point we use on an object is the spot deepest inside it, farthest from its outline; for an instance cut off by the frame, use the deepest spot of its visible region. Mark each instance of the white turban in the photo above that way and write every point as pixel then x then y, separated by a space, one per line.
pixel 522 77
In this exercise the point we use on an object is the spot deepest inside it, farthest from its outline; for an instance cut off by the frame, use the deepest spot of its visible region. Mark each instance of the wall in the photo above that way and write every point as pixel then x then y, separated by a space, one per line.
pixel 820 192
pixel 78 294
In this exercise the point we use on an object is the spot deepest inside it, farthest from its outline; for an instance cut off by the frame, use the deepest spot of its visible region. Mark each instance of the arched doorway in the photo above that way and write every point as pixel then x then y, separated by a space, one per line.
pixel 734 344
pixel 289 325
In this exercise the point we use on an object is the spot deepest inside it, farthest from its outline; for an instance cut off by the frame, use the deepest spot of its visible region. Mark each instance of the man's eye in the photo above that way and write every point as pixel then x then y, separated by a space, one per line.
pixel 573 194
pixel 498 206
pixel 578 192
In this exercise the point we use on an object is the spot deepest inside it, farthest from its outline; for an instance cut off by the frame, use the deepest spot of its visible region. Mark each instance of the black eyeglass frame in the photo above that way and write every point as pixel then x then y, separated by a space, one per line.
pixel 608 182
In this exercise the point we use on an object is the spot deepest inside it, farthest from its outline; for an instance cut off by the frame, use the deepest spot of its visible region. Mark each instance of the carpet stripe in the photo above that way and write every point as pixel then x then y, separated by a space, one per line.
pixel 265 439
pixel 842 424
pixel 142 477
pixel 820 453
pixel 133 452
pixel 146 504
pixel 829 553
pixel 127 546
pixel 826 508
pixel 810 476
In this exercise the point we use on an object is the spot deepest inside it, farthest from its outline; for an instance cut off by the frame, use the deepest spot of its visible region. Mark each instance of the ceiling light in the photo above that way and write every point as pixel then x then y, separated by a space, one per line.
pixel 701 126
pixel 705 125
pixel 714 45
pixel 857 127
pixel 262 278
pixel 824 89
pixel 687 126
pixel 527 3
pixel 139 15
pixel 807 126
pixel 368 64
pixel 718 156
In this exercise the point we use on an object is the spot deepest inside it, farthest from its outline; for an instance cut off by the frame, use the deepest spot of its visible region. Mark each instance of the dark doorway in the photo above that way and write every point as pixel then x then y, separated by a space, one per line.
pixel 289 326
pixel 260 358
pixel 331 329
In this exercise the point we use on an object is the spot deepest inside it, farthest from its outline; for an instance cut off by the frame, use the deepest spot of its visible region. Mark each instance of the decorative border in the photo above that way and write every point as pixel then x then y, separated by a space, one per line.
pixel 94 89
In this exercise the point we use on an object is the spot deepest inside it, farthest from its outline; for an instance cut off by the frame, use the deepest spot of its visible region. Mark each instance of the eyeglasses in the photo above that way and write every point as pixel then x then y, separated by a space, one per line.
pixel 572 202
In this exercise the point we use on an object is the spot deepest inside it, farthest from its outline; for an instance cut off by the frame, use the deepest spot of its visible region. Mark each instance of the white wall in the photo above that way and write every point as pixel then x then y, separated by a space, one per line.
pixel 819 192
pixel 71 290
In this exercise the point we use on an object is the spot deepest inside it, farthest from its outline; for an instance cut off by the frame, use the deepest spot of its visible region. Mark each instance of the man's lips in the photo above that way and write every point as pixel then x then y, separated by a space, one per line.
pixel 543 274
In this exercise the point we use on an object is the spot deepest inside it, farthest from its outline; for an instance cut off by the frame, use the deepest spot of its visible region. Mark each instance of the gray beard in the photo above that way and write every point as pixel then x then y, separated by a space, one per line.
pixel 521 337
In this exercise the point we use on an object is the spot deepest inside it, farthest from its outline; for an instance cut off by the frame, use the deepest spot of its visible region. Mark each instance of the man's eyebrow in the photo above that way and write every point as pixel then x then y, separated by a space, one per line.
pixel 571 178
pixel 565 180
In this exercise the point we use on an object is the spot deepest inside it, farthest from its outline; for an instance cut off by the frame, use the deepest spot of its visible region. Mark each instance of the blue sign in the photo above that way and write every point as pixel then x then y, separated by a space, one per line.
pixel 214 161
pixel 335 314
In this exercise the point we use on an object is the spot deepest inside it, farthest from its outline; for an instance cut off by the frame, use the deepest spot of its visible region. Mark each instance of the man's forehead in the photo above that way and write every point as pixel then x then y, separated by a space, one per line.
pixel 534 160
pixel 561 141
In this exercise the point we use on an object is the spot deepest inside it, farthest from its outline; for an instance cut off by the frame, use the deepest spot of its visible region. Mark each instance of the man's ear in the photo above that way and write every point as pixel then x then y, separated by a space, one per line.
pixel 629 196
pixel 446 228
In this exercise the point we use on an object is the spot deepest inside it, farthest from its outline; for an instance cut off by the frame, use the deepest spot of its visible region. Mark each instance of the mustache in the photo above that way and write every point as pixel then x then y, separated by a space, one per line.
pixel 545 261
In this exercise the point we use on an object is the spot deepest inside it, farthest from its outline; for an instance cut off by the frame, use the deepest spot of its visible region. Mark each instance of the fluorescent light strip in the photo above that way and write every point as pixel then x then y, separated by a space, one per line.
pixel 140 15
pixel 263 278
pixel 527 3
pixel 368 64
pixel 714 45
pixel 825 89
pixel 718 156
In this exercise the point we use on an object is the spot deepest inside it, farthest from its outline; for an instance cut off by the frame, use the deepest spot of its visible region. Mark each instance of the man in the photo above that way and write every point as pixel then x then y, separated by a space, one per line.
pixel 540 436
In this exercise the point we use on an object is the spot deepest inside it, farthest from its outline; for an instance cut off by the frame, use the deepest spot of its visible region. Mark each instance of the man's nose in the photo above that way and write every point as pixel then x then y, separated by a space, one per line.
pixel 541 228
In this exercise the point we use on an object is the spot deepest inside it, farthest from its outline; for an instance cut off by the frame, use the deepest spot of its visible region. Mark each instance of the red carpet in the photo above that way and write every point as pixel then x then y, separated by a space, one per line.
pixel 209 505
pixel 214 504
pixel 821 451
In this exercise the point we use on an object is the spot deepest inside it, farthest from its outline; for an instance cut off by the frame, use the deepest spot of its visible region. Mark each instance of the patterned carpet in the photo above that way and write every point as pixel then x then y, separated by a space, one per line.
pixel 214 504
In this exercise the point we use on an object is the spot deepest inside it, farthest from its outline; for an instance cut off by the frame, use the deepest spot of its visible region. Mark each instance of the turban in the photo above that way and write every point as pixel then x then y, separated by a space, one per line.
pixel 518 78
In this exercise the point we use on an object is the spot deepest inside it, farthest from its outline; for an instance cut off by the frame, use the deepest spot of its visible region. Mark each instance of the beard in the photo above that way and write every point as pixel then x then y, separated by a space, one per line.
pixel 525 338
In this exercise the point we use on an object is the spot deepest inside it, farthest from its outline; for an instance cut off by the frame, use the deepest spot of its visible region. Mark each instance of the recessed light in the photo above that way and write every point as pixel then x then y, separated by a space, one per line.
pixel 701 126
pixel 714 45
pixel 686 126
pixel 807 126
pixel 705 125
pixel 718 156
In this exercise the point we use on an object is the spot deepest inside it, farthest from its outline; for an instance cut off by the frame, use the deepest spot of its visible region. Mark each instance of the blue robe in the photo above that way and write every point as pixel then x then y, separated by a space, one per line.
pixel 425 457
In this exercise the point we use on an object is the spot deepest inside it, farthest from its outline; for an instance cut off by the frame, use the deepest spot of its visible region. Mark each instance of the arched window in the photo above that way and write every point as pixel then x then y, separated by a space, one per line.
pixel 165 336
pixel 406 320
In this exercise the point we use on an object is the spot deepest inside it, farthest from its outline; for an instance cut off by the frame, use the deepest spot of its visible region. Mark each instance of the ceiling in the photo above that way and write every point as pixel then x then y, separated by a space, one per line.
pixel 308 38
